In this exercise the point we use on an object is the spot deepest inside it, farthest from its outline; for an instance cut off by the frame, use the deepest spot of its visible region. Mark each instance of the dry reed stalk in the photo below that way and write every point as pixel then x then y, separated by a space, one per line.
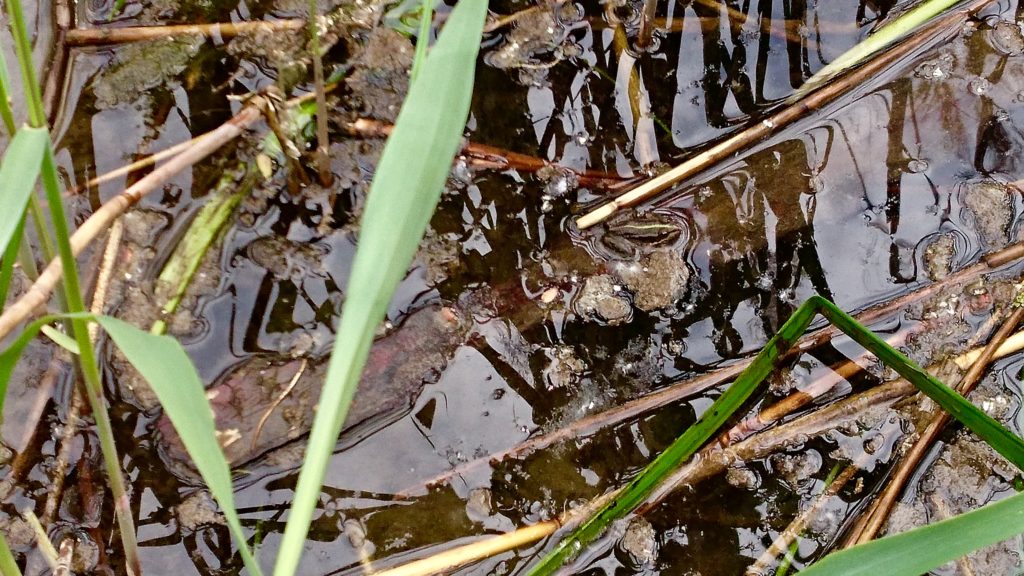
pixel 137 165
pixel 225 30
pixel 792 532
pixel 487 547
pixel 490 156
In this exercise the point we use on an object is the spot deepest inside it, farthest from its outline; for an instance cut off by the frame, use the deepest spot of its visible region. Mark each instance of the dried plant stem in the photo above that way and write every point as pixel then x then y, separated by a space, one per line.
pixel 138 164
pixel 490 546
pixel 870 523
pixel 39 293
pixel 757 133
pixel 107 36
pixel 647 17
pixel 49 553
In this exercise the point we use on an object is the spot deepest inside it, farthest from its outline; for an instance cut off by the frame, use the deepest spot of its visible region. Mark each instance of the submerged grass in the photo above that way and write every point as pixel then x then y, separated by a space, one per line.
pixel 406 188
pixel 653 476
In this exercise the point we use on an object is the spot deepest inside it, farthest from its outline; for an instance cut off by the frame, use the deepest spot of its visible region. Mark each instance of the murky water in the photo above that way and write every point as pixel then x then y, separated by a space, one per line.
pixel 909 176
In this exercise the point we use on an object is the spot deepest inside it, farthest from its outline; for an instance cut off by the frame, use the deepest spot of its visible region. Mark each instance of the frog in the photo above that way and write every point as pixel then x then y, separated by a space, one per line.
pixel 629 234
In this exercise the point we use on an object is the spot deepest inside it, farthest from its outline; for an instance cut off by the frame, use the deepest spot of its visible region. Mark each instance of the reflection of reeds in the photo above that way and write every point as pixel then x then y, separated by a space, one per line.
pixel 794 111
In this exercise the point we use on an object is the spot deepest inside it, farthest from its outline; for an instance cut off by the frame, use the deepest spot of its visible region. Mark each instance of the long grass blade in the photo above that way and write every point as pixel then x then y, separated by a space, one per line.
pixel 919 550
pixel 19 172
pixel 168 370
pixel 10 255
pixel 8 565
pixel 405 190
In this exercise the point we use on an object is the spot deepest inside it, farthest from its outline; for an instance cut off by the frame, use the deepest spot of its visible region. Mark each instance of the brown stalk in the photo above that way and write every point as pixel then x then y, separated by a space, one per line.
pixel 870 523
pixel 225 30
pixel 100 221
pixel 137 165
pixel 490 546
pixel 690 387
pixel 489 156
pixel 757 133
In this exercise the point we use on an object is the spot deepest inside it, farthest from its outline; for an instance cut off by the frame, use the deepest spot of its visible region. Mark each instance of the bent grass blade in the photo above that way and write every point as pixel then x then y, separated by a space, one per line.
pixel 651 477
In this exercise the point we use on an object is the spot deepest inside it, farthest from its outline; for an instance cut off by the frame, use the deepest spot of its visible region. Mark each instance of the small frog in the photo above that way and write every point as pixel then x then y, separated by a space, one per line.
pixel 628 234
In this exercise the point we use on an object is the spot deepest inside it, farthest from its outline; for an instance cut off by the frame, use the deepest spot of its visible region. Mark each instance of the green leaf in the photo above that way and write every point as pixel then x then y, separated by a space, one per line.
pixel 405 191
pixel 18 174
pixel 10 255
pixel 61 339
pixel 922 549
pixel 169 371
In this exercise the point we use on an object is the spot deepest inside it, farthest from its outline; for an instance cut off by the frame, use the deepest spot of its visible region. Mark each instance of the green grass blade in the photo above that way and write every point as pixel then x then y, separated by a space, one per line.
pixel 637 491
pixel 19 172
pixel 919 550
pixel 405 190
pixel 422 38
pixel 5 97
pixel 61 339
pixel 9 258
pixel 169 371
pixel 8 565
pixel 887 35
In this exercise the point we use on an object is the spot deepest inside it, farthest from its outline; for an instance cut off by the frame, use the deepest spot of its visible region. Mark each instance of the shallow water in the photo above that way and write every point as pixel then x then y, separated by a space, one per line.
pixel 844 203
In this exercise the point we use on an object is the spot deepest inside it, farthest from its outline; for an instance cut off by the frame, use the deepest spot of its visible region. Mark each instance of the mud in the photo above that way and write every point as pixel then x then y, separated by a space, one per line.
pixel 258 407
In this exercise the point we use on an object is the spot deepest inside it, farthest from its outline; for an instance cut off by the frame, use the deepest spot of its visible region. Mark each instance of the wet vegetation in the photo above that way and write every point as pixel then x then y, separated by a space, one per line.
pixel 547 241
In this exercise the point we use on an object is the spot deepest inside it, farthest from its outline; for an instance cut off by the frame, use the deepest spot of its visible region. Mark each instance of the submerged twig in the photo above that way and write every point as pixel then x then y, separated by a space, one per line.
pixel 758 132
pixel 225 30
pixel 792 532
pixel 137 165
pixel 277 402
pixel 490 546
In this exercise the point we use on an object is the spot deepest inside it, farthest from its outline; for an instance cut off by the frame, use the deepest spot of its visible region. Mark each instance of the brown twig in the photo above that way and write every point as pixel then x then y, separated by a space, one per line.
pixel 107 36
pixel 690 387
pixel 448 560
pixel 137 165
pixel 40 291
pixel 758 132
pixel 490 156
pixel 869 524
pixel 277 402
